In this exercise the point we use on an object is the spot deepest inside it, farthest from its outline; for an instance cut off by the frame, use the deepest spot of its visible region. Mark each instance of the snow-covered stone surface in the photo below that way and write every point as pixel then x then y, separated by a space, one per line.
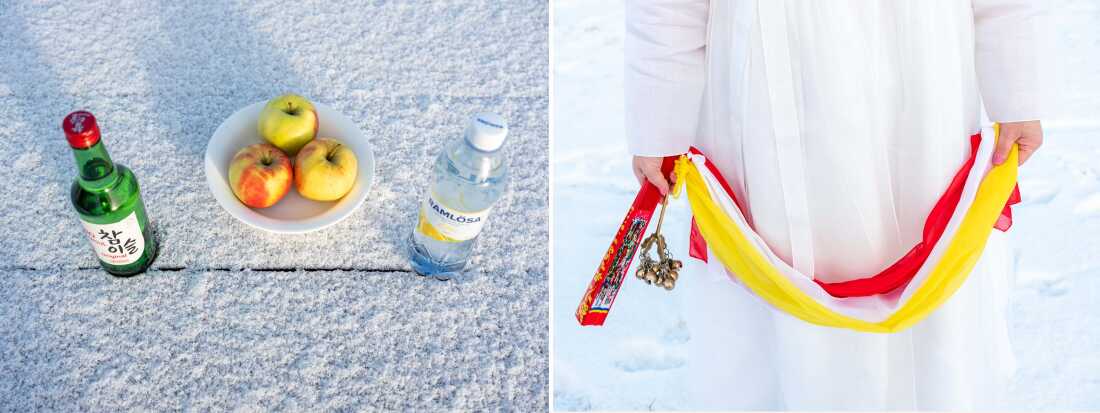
pixel 232 317
pixel 637 360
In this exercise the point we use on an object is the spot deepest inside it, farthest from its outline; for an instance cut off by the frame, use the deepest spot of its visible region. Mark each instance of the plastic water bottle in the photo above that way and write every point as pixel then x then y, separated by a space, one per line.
pixel 469 177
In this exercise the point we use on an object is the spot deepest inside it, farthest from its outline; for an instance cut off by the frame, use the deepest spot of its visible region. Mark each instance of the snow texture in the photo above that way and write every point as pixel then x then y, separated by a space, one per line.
pixel 637 360
pixel 236 318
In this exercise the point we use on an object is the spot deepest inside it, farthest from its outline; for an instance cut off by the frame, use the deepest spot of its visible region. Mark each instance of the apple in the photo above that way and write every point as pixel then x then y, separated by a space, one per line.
pixel 325 169
pixel 288 122
pixel 260 175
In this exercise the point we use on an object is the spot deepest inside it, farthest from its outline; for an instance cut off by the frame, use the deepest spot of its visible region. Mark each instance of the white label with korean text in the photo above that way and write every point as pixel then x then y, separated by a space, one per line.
pixel 119 243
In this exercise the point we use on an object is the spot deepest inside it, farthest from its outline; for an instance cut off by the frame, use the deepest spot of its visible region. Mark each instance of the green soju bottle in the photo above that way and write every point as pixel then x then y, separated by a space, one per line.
pixel 106 197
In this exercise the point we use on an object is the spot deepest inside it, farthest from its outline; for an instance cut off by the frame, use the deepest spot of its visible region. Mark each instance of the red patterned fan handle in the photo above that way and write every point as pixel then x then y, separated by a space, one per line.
pixel 609 277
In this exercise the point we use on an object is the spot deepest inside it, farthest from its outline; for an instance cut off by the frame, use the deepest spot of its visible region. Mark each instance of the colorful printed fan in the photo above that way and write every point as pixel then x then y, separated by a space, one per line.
pixel 954 236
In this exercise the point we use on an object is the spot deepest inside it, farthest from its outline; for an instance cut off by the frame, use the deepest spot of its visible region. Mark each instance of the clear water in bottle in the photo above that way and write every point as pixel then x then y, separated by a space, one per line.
pixel 469 177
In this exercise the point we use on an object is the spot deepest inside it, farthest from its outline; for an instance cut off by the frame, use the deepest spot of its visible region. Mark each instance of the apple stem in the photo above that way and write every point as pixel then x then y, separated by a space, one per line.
pixel 332 153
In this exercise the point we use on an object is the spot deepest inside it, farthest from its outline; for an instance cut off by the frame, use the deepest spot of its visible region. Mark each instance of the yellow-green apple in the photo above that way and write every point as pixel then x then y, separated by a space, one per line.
pixel 260 175
pixel 288 122
pixel 325 169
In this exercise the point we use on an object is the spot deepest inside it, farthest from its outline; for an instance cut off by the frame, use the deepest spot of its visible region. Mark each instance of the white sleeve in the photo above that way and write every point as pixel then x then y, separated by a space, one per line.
pixel 664 74
pixel 1007 34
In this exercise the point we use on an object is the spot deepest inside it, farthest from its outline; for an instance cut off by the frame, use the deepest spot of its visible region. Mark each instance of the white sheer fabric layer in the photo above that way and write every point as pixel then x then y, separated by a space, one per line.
pixel 882 97
pixel 746 356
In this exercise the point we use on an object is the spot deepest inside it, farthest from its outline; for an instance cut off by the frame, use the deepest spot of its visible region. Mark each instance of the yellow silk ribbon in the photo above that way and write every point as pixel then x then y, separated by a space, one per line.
pixel 739 255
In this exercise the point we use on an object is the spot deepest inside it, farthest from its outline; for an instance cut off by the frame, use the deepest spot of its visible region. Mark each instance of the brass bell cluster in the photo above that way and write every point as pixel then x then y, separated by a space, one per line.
pixel 664 271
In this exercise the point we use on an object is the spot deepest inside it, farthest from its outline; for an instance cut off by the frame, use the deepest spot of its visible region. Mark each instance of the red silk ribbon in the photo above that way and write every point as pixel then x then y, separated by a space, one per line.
pixel 902 271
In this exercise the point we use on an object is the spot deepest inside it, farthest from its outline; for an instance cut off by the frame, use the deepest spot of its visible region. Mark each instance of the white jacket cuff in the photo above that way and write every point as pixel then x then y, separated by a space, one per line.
pixel 664 50
pixel 661 117
pixel 1007 34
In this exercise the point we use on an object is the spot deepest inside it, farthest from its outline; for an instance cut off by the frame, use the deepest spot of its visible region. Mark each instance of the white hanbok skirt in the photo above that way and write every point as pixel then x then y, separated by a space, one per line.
pixel 748 356
pixel 840 127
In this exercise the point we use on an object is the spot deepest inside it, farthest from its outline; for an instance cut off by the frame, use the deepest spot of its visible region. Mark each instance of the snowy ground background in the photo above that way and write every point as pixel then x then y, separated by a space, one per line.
pixel 636 360
pixel 232 317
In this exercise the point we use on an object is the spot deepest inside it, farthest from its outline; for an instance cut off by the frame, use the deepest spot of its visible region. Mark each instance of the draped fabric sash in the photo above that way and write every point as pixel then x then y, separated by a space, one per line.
pixel 903 294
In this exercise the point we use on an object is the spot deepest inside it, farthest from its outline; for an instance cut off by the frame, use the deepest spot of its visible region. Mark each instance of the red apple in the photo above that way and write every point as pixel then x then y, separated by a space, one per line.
pixel 260 175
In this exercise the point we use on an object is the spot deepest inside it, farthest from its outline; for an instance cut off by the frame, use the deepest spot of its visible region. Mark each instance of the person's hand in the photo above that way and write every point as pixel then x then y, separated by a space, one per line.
pixel 649 168
pixel 1028 134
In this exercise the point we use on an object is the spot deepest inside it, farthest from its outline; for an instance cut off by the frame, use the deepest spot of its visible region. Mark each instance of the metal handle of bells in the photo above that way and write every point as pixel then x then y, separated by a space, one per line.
pixel 664 271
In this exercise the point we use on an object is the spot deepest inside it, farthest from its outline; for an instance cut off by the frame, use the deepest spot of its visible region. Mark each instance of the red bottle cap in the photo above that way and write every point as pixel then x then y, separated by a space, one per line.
pixel 81 129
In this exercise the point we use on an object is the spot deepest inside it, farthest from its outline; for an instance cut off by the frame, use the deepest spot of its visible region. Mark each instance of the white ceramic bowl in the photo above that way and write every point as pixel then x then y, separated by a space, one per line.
pixel 293 213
